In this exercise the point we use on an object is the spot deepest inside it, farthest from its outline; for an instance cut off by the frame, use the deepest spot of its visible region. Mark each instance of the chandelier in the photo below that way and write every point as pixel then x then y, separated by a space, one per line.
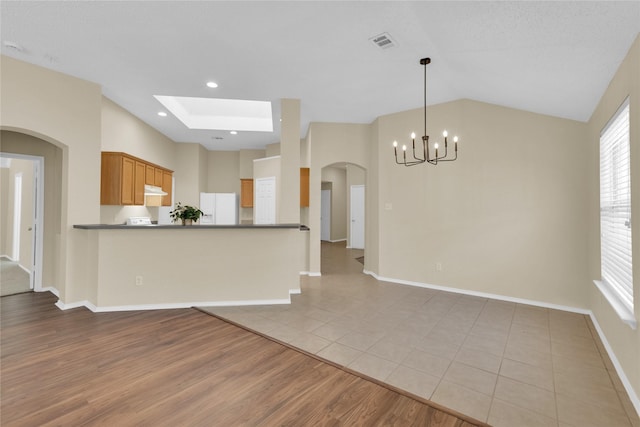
pixel 440 156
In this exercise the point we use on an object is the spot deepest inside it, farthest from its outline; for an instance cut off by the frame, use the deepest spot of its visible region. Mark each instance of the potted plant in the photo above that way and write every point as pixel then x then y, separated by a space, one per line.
pixel 187 214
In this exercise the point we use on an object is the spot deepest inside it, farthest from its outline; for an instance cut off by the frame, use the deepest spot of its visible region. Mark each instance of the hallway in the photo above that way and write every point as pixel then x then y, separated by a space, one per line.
pixel 500 362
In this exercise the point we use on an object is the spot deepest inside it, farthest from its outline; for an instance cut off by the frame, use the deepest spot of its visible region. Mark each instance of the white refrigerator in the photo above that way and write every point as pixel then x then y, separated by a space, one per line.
pixel 219 208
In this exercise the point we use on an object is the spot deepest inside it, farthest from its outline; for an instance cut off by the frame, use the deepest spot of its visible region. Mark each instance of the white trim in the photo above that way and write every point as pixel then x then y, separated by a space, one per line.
pixel 169 306
pixel 625 381
pixel 635 401
pixel 304 273
pixel 337 240
pixel 295 291
pixel 618 306
pixel 480 294
pixel 6 256
pixel 314 274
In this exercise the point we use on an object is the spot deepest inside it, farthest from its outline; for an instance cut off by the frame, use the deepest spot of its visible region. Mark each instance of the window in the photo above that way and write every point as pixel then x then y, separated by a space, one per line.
pixel 615 215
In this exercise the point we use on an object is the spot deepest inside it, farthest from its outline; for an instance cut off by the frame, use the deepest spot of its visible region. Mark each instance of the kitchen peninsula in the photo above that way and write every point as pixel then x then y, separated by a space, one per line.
pixel 174 266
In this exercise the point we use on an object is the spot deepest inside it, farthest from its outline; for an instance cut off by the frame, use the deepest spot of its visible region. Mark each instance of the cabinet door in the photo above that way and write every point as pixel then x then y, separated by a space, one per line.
pixel 150 175
pixel 167 187
pixel 138 183
pixel 158 178
pixel 304 187
pixel 246 193
pixel 128 181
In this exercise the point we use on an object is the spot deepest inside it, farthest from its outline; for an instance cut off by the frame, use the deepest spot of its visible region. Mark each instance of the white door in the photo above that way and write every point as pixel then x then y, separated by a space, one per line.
pixel 207 206
pixel 325 215
pixel 357 217
pixel 264 204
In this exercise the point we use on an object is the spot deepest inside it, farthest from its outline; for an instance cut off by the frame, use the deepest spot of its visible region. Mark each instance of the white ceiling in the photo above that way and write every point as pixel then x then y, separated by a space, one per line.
pixel 554 58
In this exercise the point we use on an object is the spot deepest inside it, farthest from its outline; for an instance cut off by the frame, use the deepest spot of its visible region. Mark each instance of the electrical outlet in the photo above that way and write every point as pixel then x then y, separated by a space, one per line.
pixel 139 281
pixel 438 266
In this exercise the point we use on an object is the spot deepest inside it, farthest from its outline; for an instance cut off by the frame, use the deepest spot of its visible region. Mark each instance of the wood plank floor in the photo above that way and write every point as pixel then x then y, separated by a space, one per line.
pixel 176 367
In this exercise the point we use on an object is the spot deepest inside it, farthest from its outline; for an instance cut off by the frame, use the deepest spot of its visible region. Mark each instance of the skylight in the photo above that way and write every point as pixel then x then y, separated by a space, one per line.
pixel 220 114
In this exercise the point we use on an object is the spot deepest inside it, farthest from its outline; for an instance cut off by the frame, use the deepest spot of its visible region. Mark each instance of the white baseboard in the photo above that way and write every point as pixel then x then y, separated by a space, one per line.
pixel 635 401
pixel 314 274
pixel 50 289
pixel 7 257
pixel 295 291
pixel 168 306
pixel 338 240
pixel 625 381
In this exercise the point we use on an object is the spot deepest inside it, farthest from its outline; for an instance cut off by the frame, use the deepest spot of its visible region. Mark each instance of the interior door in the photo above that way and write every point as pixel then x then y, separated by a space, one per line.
pixel 264 206
pixel 357 217
pixel 325 215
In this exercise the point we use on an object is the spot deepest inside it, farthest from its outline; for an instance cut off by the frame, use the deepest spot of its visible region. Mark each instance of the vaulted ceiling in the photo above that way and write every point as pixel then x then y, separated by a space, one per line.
pixel 553 58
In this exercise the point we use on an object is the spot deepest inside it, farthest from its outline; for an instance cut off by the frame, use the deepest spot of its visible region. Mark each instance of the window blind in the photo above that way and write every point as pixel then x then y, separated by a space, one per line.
pixel 615 207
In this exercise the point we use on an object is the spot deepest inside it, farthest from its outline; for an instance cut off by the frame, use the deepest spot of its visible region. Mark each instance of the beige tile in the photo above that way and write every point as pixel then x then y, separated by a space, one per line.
pixel 437 347
pixel 373 366
pixel 541 344
pixel 470 377
pixel 389 350
pixel 580 355
pixel 530 330
pixel 340 354
pixel 413 381
pixel 330 332
pixel 306 324
pixel 503 414
pixel 528 374
pixel 491 345
pixel 580 372
pixel 489 331
pixel 528 355
pixel 582 414
pixel 447 336
pixel 463 400
pixel 526 396
pixel 359 341
pixel 425 362
pixel 309 342
pixel 285 333
pixel 586 391
pixel 479 359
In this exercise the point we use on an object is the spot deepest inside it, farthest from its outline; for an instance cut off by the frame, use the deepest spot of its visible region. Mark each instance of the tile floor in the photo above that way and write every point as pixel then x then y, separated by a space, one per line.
pixel 503 363
pixel 13 279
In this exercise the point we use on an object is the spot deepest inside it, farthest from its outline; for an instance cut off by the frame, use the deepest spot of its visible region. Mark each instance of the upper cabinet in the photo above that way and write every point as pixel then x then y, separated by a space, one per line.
pixel 123 178
pixel 246 193
pixel 304 187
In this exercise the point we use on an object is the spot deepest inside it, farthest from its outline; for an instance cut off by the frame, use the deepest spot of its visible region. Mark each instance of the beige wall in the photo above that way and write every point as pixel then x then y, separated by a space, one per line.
pixel 290 162
pixel 66 112
pixel 337 177
pixel 224 172
pixel 272 150
pixel 507 218
pixel 624 341
pixel 187 174
pixel 211 271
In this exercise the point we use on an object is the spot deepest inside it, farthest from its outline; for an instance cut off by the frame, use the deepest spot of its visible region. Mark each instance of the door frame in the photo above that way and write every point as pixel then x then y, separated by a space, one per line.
pixel 323 193
pixel 35 275
pixel 358 186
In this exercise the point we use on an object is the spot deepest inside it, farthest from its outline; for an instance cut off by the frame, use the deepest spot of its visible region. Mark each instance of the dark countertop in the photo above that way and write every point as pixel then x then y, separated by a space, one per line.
pixel 182 227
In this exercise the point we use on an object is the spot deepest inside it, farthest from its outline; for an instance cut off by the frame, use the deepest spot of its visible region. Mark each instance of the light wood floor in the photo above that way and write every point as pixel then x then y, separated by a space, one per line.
pixel 176 367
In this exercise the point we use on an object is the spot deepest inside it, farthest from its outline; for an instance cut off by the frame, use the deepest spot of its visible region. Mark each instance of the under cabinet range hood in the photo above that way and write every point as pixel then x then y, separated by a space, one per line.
pixel 152 190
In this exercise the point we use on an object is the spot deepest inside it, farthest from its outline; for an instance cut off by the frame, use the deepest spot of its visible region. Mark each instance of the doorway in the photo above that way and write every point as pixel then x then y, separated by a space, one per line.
pixel 21 223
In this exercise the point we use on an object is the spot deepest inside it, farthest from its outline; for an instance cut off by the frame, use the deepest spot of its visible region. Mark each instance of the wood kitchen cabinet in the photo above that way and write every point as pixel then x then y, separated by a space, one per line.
pixel 123 178
pixel 304 187
pixel 246 193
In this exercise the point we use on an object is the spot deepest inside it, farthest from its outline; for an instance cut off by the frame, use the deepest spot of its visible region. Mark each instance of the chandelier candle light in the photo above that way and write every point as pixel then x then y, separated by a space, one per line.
pixel 426 157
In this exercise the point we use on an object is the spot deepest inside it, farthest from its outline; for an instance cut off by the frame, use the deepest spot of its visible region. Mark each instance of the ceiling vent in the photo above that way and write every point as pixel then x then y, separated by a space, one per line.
pixel 383 41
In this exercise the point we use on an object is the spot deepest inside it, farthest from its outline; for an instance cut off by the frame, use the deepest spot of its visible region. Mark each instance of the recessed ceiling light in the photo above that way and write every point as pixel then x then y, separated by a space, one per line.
pixel 162 114
pixel 212 84
pixel 233 132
